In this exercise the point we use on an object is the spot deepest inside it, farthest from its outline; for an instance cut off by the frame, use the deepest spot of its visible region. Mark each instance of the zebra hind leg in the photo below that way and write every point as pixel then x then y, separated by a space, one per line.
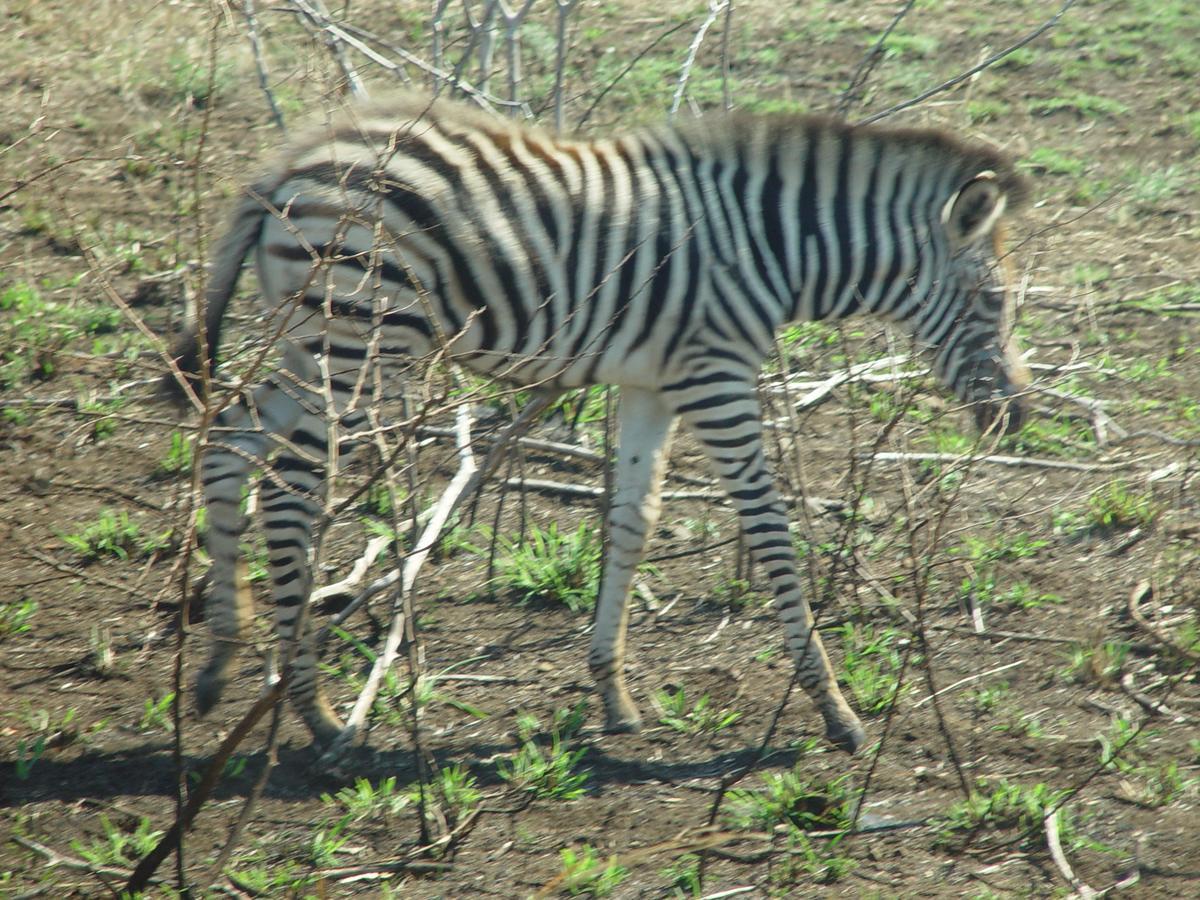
pixel 239 444
pixel 292 496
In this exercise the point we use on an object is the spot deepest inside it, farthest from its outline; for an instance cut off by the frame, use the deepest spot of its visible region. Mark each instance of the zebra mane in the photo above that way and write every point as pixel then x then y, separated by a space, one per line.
pixel 724 132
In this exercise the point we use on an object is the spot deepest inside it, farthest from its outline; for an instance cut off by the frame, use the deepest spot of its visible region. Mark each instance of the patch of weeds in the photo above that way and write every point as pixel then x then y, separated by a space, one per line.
pixel 986 699
pixel 112 534
pixel 29 342
pixel 179 457
pixel 101 655
pixel 1191 124
pixel 452 793
pixel 1055 436
pixel 15 617
pixel 1121 746
pixel 698 718
pixel 46 731
pixel 819 860
pixel 1116 506
pixel 983 584
pixel 919 46
pixel 1002 548
pixel 381 500
pixel 805 337
pixel 587 406
pixel 703 528
pixel 189 80
pixel 585 874
pixel 792 799
pixel 234 767
pixel 28 754
pixel 327 842
pixel 118 847
pixel 156 714
pixel 370 801
pixel 258 879
pixel 1086 274
pixel 1150 785
pixel 552 566
pixel 1151 186
pixel 1156 786
pixel 1083 104
pixel 1019 58
pixel 543 765
pixel 99 412
pixel 735 594
pixel 1100 663
pixel 999 807
pixel 34 330
pixel 388 707
pixel 683 876
pixel 871 666
pixel 986 110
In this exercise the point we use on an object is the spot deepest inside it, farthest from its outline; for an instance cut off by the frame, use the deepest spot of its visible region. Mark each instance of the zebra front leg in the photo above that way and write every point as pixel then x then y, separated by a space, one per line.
pixel 292 494
pixel 646 424
pixel 729 426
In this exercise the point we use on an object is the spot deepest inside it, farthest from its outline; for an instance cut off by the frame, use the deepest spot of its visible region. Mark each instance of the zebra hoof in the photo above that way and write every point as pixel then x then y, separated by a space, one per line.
pixel 207 692
pixel 623 726
pixel 846 737
pixel 623 720
pixel 335 749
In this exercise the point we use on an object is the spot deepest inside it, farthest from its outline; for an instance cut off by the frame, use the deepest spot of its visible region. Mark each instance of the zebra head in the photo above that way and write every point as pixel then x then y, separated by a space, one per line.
pixel 968 312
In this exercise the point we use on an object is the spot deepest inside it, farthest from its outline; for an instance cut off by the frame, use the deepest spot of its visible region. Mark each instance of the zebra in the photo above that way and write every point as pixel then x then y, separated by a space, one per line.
pixel 662 261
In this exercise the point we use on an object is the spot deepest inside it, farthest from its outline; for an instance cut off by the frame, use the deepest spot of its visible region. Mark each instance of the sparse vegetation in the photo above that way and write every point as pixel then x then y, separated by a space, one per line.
pixel 15 617
pixel 123 149
pixel 552 566
pixel 696 718
pixel 111 534
pixel 543 764
pixel 1002 806
pixel 871 666
pixel 585 874
pixel 792 799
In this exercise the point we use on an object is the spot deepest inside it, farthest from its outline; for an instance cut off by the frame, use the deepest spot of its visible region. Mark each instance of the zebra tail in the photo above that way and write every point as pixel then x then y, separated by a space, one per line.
pixel 195 351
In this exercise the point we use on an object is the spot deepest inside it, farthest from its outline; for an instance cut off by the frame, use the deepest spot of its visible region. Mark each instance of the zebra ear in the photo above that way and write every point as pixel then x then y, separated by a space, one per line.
pixel 974 210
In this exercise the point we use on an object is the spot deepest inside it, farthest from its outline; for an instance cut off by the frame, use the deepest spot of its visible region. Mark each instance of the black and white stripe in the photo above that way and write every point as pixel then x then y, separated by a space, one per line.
pixel 662 261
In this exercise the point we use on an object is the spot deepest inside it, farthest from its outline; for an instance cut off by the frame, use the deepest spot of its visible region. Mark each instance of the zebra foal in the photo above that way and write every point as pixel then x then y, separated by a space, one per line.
pixel 661 261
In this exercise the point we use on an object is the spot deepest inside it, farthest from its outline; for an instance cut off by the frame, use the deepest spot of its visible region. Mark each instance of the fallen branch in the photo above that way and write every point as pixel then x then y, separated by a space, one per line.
pixel 465 482
pixel 212 774
pixel 1013 461
pixel 1060 859
pixel 375 546
pixel 1136 597
pixel 528 443
pixel 54 858
pixel 1148 703
pixel 408 577
pixel 968 680
pixel 1005 635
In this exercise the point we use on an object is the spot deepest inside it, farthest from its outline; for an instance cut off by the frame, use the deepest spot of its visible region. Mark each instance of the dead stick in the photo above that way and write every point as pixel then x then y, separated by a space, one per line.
pixel 1135 599
pixel 1060 858
pixel 151 861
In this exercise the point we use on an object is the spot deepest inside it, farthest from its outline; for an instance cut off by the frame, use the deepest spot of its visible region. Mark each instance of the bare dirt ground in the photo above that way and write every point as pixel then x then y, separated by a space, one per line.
pixel 1021 632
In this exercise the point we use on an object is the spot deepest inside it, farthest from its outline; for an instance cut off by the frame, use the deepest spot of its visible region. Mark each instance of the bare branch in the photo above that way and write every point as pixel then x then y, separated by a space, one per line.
pixel 715 8
pixel 960 78
pixel 260 63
